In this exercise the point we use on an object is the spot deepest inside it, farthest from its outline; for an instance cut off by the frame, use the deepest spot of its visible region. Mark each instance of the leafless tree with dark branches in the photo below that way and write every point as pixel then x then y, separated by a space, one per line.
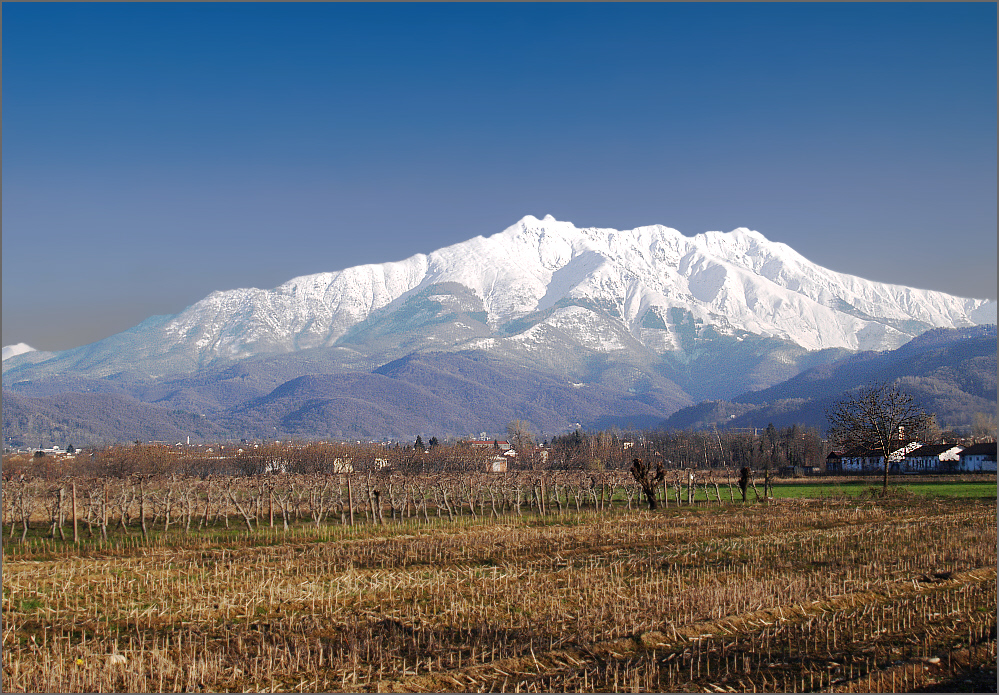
pixel 875 417
pixel 648 478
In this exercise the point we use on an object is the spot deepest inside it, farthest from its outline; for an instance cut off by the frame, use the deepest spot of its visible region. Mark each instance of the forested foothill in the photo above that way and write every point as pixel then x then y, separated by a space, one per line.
pixel 949 372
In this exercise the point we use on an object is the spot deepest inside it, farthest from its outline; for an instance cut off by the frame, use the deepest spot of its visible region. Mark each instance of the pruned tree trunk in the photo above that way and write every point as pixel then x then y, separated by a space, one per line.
pixel 350 499
pixel 648 480
pixel 744 476
pixel 142 510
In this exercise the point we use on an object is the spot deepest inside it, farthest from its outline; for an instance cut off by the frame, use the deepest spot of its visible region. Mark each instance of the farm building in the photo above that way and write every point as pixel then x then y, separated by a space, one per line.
pixel 497 464
pixel 342 465
pixel 931 457
pixel 862 459
pixel 796 471
pixel 494 444
pixel 834 462
pixel 978 457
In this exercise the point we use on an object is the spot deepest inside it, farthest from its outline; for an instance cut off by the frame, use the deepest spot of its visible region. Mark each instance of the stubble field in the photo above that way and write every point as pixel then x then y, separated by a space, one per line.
pixel 833 594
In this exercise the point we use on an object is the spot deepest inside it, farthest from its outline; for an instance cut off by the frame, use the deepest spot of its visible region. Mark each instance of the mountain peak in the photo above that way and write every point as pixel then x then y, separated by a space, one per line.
pixel 548 221
pixel 532 218
pixel 745 232
pixel 18 349
pixel 540 286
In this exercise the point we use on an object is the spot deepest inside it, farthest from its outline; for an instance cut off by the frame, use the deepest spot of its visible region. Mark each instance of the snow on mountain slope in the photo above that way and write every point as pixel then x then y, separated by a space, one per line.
pixel 602 289
pixel 18 349
pixel 739 279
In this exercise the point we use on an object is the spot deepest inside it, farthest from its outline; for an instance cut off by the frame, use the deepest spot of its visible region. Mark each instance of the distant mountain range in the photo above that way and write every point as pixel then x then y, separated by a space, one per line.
pixel 544 322
pixel 949 372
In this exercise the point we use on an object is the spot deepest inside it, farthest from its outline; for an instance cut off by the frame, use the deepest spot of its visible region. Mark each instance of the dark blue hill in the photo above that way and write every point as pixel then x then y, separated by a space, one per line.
pixel 950 372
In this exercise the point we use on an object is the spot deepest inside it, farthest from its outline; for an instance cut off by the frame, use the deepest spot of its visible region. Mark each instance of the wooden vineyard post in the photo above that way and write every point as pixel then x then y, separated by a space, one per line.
pixel 350 500
pixel 103 516
pixel 142 509
pixel 60 514
pixel 270 505
pixel 76 529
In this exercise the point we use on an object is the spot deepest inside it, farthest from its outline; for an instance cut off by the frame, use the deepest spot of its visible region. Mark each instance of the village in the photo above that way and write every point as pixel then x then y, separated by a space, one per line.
pixel 596 451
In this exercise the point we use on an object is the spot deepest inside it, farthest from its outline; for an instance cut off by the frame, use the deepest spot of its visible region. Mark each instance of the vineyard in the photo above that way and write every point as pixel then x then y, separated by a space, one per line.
pixel 549 581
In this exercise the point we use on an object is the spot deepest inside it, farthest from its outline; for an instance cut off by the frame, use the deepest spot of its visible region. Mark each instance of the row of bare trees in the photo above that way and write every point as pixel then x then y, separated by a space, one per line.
pixel 141 503
pixel 760 449
pixel 598 451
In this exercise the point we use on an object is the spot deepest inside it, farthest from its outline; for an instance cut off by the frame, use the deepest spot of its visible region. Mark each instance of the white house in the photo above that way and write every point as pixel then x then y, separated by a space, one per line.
pixel 931 457
pixel 342 465
pixel 275 466
pixel 860 459
pixel 978 457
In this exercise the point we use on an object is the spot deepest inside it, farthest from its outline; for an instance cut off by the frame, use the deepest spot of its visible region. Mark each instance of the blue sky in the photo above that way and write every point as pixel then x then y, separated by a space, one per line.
pixel 154 153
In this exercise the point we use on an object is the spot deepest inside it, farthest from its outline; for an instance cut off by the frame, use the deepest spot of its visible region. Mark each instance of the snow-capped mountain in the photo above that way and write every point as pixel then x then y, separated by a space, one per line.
pixel 736 282
pixel 537 287
pixel 14 350
pixel 544 322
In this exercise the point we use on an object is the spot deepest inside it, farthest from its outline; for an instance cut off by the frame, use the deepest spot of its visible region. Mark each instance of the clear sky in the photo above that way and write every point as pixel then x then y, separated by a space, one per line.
pixel 153 153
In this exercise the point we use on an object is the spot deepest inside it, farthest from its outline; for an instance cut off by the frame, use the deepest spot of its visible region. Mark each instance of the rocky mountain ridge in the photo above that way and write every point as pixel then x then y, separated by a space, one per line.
pixel 604 290
pixel 619 327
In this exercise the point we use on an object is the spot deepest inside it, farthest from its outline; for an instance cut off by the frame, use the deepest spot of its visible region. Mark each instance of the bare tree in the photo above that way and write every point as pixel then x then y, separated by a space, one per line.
pixel 983 426
pixel 648 478
pixel 745 476
pixel 875 417
pixel 520 436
